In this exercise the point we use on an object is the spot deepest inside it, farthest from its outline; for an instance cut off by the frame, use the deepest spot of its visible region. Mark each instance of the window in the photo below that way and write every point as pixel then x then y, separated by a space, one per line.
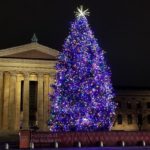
pixel 119 105
pixel 148 104
pixel 123 98
pixel 129 117
pixel 138 105
pixel 119 119
pixel 129 105
pixel 148 119
pixel 140 119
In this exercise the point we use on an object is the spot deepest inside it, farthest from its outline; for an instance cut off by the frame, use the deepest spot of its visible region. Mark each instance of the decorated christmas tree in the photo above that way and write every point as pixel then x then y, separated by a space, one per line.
pixel 83 93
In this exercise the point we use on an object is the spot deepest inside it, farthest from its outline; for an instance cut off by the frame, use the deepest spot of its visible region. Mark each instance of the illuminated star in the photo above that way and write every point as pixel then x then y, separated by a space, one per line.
pixel 80 12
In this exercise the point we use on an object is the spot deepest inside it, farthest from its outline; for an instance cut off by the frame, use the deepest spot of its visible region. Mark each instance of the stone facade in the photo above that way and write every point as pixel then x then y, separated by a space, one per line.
pixel 23 64
pixel 133 112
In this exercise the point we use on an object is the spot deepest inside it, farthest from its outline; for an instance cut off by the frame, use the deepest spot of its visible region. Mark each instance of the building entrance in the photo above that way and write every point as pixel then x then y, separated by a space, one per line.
pixel 32 103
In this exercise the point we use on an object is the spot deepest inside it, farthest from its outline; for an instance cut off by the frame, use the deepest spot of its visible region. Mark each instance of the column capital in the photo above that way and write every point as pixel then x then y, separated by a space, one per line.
pixel 7 73
pixel 1 73
pixel 46 76
pixel 52 74
pixel 26 74
pixel 46 73
pixel 13 73
pixel 40 75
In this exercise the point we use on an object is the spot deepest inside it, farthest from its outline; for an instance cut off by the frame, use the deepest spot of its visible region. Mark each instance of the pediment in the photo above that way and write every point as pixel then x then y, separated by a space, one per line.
pixel 30 51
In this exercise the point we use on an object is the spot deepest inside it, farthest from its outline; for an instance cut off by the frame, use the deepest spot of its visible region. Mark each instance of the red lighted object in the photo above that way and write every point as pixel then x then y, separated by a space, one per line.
pixel 24 139
pixel 70 139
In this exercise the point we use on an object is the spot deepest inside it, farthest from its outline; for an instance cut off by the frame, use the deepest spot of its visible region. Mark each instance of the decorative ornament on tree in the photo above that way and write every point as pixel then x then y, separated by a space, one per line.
pixel 81 12
pixel 83 93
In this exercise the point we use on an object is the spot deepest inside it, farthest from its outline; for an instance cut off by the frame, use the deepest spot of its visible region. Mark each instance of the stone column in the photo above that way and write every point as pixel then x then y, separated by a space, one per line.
pixel 26 102
pixel 6 100
pixel 17 101
pixel 46 101
pixel 1 98
pixel 40 103
pixel 51 81
pixel 12 109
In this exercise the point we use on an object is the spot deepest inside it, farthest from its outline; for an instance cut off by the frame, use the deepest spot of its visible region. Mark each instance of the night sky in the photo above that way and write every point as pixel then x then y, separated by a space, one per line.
pixel 122 28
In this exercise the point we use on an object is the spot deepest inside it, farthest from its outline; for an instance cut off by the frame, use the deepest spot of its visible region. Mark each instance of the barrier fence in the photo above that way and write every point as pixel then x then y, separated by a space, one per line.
pixel 70 139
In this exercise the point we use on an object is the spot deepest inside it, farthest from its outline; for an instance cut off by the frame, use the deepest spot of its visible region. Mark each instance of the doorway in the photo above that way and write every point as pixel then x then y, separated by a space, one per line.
pixel 32 103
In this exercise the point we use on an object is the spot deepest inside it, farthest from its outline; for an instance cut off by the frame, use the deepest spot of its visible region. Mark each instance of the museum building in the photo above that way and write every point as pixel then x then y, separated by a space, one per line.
pixel 26 75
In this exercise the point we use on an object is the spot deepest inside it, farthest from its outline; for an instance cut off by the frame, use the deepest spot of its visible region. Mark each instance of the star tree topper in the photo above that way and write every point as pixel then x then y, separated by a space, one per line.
pixel 81 12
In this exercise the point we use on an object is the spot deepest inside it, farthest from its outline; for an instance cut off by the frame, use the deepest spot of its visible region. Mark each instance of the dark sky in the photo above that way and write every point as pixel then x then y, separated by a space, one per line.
pixel 122 28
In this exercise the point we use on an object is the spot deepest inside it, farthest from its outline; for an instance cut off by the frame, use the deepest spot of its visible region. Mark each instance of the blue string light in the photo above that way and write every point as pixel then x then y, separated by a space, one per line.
pixel 83 93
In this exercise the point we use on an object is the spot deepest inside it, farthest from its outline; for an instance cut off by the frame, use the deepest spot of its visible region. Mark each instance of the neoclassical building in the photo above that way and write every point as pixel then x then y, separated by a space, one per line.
pixel 26 73
pixel 133 112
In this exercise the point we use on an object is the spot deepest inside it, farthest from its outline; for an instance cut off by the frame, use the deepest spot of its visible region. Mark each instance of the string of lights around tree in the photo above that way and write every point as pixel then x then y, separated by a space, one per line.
pixel 83 94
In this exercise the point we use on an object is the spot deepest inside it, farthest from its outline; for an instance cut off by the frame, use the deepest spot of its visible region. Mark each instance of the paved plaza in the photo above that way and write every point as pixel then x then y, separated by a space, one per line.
pixel 2 147
pixel 104 148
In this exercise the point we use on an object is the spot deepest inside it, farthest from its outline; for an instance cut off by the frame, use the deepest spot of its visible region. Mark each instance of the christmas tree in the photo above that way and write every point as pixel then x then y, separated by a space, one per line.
pixel 83 93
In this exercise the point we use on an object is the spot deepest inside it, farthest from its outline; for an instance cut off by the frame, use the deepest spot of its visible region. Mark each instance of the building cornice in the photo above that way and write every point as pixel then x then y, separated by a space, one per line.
pixel 28 47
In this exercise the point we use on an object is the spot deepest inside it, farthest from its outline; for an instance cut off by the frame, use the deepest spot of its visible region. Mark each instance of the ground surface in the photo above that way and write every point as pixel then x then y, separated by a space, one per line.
pixel 99 148
pixel 87 148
